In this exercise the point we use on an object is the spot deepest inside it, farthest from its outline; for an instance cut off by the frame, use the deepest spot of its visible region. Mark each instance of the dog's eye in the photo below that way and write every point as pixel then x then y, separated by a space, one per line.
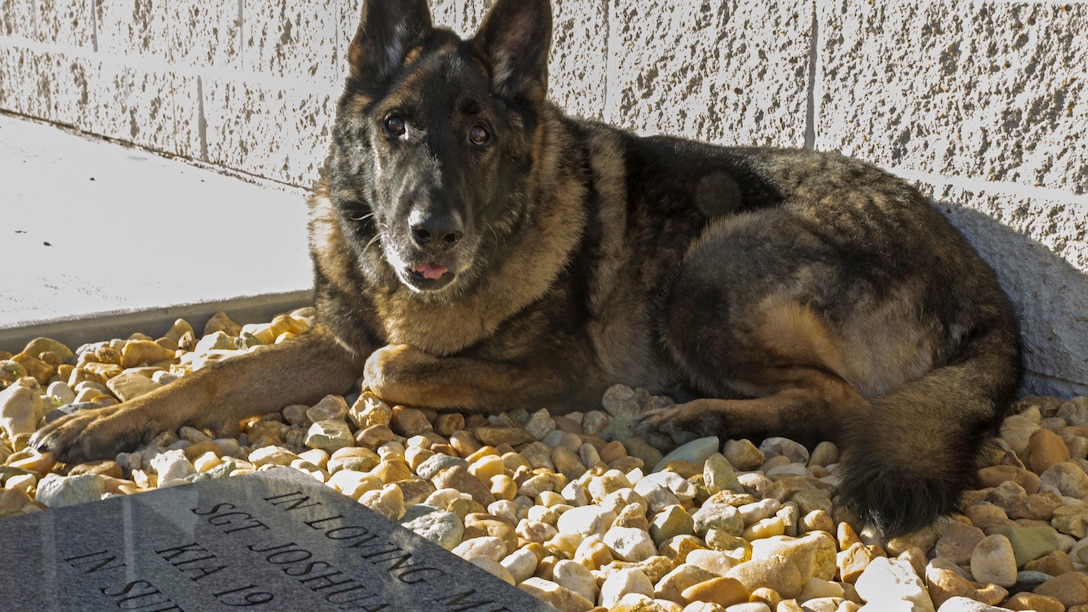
pixel 478 135
pixel 394 126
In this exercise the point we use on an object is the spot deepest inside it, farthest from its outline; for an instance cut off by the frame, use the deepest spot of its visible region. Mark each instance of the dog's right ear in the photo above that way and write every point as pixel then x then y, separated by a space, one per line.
pixel 387 30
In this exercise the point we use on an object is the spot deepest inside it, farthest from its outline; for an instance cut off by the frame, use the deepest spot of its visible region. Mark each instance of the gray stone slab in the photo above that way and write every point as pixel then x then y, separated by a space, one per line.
pixel 275 540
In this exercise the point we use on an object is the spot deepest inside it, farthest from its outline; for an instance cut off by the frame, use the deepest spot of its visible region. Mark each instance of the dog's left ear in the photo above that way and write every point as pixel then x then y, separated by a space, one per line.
pixel 515 39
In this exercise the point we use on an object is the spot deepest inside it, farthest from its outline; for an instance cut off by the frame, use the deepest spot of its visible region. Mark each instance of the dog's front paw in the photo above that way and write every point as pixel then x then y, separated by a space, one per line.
pixel 393 371
pixel 91 434
pixel 669 427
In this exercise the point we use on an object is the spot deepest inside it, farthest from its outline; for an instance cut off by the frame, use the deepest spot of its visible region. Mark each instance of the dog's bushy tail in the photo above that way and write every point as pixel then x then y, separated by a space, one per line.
pixel 908 460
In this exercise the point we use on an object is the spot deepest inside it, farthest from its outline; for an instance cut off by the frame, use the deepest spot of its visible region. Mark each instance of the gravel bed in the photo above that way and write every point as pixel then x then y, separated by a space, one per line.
pixel 571 507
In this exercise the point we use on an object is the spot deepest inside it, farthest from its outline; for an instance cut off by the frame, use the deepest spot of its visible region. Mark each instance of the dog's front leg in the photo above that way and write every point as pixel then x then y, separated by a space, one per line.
pixel 301 370
pixel 400 374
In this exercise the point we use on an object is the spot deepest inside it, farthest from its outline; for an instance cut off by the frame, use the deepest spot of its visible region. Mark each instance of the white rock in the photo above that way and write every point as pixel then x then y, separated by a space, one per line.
pixel 58 491
pixel 484 546
pixel 624 582
pixel 586 520
pixel 172 464
pixel 575 577
pixel 492 567
pixel 630 543
pixel 963 604
pixel 61 392
pixel 886 583
pixel 521 564
pixel 21 408
pixel 695 451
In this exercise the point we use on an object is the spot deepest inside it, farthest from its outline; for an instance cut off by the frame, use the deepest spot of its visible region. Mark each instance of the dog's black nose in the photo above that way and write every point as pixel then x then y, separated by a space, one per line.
pixel 437 231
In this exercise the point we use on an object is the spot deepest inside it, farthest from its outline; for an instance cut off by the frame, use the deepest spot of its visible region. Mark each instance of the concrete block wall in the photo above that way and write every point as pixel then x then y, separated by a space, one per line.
pixel 982 103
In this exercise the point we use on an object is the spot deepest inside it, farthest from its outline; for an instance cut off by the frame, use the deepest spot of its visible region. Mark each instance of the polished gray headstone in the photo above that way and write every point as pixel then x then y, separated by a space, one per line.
pixel 274 540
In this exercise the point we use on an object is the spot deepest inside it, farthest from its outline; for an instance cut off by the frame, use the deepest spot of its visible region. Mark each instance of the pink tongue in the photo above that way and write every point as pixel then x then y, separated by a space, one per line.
pixel 430 270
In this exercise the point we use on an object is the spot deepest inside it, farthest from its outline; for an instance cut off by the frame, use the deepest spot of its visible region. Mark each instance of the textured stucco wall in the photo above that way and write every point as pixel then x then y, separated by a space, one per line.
pixel 983 104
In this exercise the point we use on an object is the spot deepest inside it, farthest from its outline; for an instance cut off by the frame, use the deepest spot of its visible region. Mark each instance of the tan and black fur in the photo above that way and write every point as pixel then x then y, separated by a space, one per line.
pixel 476 249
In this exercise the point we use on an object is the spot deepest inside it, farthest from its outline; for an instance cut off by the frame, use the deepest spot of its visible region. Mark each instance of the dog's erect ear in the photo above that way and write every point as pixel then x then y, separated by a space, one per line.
pixel 515 38
pixel 387 30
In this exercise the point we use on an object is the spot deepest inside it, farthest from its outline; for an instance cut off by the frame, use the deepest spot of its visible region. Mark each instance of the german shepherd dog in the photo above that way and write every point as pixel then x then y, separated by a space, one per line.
pixel 475 249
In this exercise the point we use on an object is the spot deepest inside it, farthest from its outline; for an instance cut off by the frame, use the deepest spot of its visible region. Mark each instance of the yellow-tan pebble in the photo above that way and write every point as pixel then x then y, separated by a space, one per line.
pixel 593 553
pixel 503 487
pixel 318 457
pixel 353 483
pixel 719 590
pixel 206 461
pixel 487 466
pixel 392 471
pixel 415 455
pixel 388 501
pixel 765 528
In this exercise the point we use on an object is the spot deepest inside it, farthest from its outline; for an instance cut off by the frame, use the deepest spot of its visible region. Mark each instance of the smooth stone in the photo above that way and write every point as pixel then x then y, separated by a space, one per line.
pixel 40 345
pixel 775 572
pixel 494 568
pixel 498 435
pixel 784 447
pixel 387 501
pixel 59 491
pixel 561 598
pixel 670 522
pixel 624 582
pixel 540 424
pixel 586 520
pixel 1029 541
pixel 1071 519
pixel 826 453
pixel 673 584
pixel 144 352
pixel 963 604
pixel 695 451
pixel 1071 589
pixel 458 477
pixel 575 577
pixel 993 561
pixel 718 516
pixel 947 580
pixel 216 341
pixel 629 543
pixel 271 455
pixel 1016 430
pixel 485 546
pixel 329 435
pixel 718 590
pixel 435 524
pixel 888 582
pixel 409 422
pixel 1068 478
pixel 742 454
pixel 713 561
pixel 994 475
pixel 957 542
pixel 1054 563
pixel 220 322
pixel 814 554
pixel 435 464
pixel 1045 448
pixel 61 392
pixel 21 408
pixel 1074 412
pixel 671 481
pixel 354 483
pixel 521 564
pixel 331 407
pixel 1033 602
pixel 719 475
pixel 129 385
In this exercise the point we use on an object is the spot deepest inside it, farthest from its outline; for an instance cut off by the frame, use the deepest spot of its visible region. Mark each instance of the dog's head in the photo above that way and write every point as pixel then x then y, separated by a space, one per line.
pixel 434 142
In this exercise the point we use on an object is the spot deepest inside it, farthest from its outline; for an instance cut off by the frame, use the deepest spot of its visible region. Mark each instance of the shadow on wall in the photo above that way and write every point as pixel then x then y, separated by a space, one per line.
pixel 1050 296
